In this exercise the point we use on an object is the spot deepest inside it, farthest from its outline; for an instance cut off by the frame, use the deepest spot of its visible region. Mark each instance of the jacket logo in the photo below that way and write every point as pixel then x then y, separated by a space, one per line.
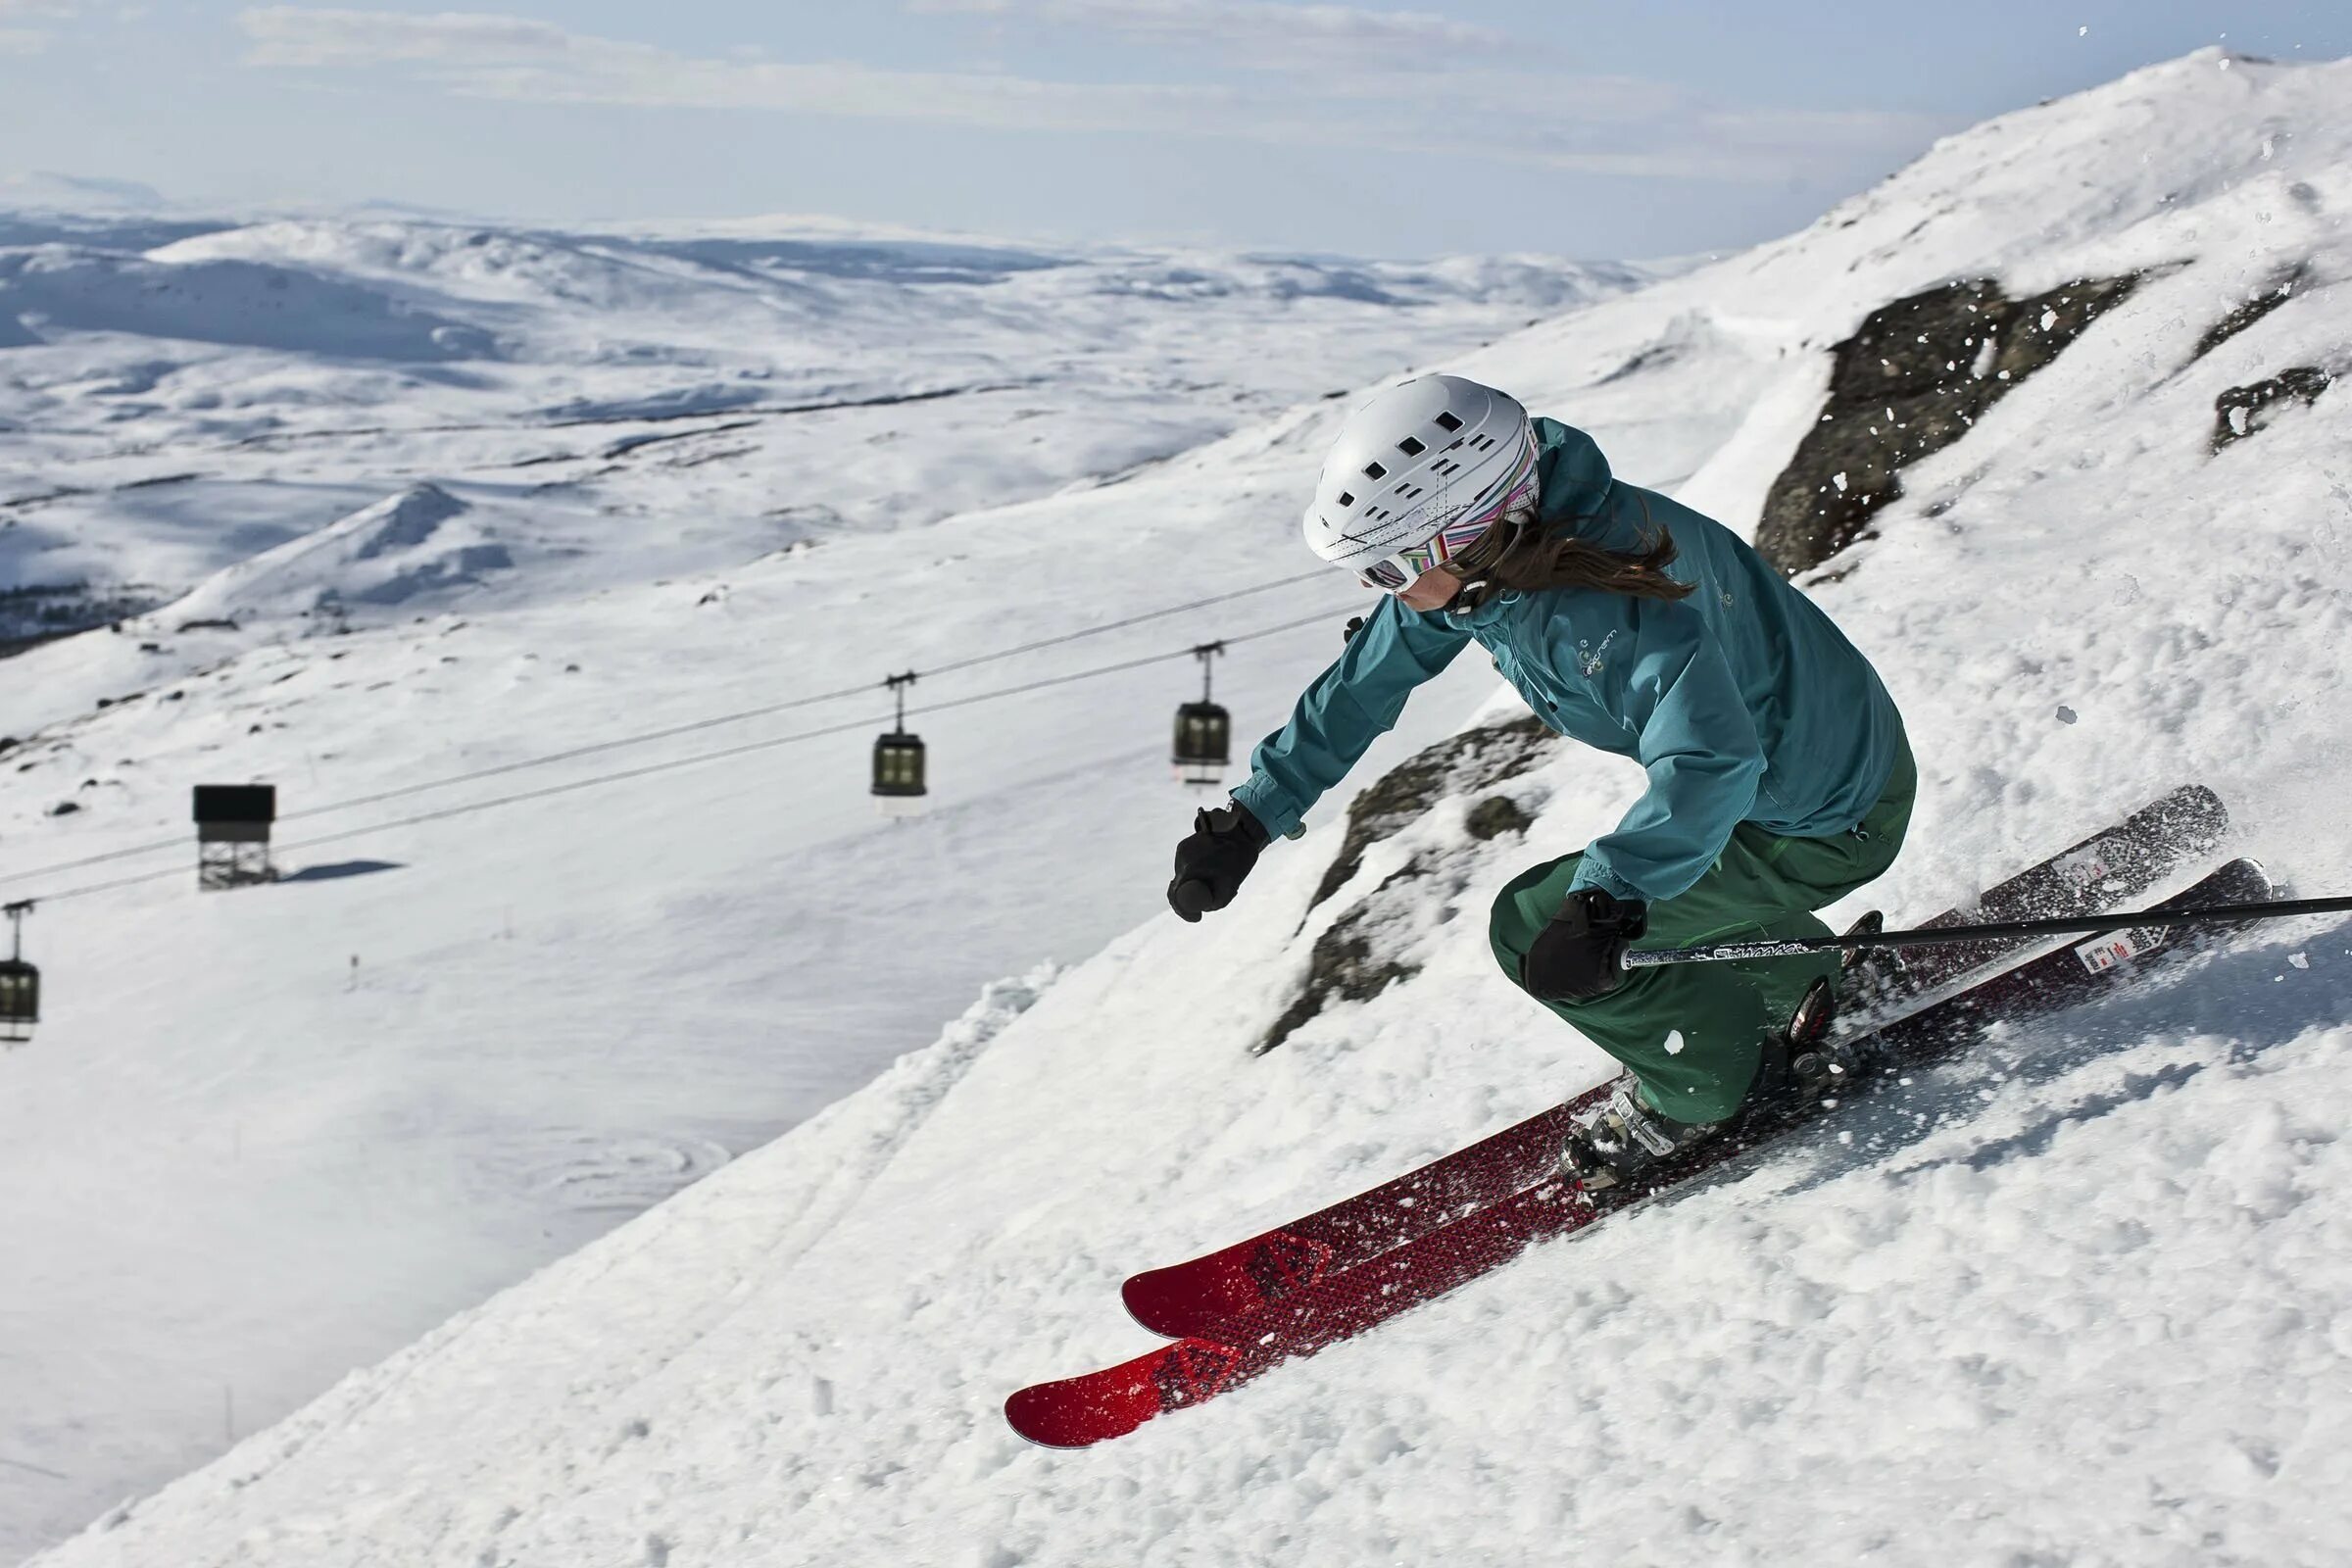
pixel 1587 657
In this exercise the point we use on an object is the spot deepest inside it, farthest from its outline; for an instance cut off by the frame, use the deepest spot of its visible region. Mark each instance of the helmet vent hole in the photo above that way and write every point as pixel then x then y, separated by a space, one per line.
pixel 1448 422
pixel 1411 447
pixel 1347 500
pixel 1373 470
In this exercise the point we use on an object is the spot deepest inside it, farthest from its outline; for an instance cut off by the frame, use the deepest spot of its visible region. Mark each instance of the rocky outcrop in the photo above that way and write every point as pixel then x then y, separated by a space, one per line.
pixel 2253 309
pixel 1474 760
pixel 2243 410
pixel 1912 381
pixel 1348 964
pixel 1360 955
pixel 39 613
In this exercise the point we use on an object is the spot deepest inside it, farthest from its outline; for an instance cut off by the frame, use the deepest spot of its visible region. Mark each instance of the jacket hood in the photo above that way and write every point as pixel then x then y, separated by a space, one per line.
pixel 1574 476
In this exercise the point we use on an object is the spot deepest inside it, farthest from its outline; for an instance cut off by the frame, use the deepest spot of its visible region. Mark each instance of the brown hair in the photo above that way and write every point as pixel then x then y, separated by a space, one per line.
pixel 1529 557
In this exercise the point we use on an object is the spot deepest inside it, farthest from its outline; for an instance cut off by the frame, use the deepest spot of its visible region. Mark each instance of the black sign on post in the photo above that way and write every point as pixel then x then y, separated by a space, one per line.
pixel 232 834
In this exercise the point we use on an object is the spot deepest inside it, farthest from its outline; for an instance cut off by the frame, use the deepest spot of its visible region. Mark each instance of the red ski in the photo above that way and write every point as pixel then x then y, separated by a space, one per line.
pixel 1078 1411
pixel 2117 863
pixel 1225 1353
pixel 1278 1264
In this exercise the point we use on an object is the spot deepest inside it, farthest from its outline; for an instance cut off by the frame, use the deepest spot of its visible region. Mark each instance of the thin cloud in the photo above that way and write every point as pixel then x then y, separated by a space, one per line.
pixel 24 41
pixel 1597 124
pixel 520 60
pixel 287 35
pixel 1248 26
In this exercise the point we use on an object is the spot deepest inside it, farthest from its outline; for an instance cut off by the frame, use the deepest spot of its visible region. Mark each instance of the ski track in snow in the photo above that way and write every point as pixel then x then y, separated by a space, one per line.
pixel 2082 1297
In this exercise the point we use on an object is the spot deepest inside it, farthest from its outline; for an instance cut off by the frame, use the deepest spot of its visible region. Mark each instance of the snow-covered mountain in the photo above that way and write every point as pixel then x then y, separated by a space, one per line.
pixel 367 505
pixel 175 399
pixel 2079 1299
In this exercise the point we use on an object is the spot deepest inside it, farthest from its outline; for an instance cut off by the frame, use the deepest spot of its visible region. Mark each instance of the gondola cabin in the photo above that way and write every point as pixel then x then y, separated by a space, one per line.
pixel 1203 746
pixel 19 984
pixel 898 783
pixel 19 1000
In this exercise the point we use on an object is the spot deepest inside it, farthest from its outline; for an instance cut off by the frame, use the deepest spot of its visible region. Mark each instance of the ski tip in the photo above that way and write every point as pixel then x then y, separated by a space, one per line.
pixel 2199 799
pixel 1143 1296
pixel 1188 1299
pixel 1081 1411
pixel 1077 1413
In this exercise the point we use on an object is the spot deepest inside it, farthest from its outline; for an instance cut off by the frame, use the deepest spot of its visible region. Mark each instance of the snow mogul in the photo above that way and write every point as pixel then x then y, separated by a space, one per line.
pixel 1780 776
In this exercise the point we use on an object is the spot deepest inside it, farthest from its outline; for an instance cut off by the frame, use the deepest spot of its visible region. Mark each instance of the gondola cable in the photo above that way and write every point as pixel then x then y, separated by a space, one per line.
pixel 470 807
pixel 647 737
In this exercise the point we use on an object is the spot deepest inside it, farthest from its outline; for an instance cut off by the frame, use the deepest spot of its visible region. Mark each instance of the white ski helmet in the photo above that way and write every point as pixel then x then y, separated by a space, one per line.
pixel 1416 474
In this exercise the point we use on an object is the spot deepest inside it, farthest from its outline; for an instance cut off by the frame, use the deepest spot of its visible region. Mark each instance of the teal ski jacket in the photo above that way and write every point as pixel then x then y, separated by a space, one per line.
pixel 1741 701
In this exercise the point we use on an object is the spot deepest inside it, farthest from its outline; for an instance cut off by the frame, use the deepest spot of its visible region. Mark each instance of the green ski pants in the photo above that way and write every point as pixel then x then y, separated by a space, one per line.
pixel 1693 1033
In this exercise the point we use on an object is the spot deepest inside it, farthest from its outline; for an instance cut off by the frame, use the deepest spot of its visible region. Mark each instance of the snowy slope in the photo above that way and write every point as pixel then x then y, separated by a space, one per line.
pixel 2080 1298
pixel 263 1140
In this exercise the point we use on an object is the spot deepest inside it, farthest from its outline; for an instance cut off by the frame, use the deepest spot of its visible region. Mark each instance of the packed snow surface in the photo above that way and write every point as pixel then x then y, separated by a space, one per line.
pixel 2083 1296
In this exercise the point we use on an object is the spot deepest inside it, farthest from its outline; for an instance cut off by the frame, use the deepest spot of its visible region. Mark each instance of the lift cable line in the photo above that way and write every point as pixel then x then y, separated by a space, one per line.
pixel 648 737
pixel 571 786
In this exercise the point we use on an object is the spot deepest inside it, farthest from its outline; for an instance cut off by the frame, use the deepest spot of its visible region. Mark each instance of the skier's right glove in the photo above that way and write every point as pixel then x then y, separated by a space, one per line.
pixel 1581 954
pixel 1212 861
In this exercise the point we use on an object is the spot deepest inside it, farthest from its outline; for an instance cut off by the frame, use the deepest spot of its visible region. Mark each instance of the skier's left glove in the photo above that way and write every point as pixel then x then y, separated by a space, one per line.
pixel 1581 954
pixel 1212 861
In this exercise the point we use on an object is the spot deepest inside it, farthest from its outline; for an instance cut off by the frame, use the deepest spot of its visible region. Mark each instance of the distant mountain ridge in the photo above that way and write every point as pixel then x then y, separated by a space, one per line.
pixel 178 392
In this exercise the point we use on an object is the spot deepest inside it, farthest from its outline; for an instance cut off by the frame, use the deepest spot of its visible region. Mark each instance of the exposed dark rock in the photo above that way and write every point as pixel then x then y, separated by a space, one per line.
pixel 1346 965
pixel 2246 314
pixel 1495 815
pixel 2243 410
pixel 1461 764
pixel 1355 959
pixel 1912 381
pixel 44 612
pixel 65 808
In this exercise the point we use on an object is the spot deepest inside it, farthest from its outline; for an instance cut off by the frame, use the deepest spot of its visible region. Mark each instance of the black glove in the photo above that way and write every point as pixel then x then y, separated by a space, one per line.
pixel 1211 862
pixel 1581 954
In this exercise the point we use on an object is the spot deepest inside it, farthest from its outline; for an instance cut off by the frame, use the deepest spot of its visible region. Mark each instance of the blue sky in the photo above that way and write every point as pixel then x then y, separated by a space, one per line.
pixel 1410 130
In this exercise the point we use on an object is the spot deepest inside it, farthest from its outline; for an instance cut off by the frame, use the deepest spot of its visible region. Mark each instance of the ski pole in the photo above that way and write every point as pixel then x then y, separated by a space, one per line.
pixel 2008 931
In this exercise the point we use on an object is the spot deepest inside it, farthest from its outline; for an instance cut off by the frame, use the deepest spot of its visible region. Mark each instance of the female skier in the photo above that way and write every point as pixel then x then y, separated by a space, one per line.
pixel 1779 778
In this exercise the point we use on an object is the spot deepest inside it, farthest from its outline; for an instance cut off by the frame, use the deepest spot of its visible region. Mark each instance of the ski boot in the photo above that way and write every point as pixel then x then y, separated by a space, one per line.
pixel 1619 1139
pixel 1809 1062
pixel 1813 1065
pixel 1868 976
